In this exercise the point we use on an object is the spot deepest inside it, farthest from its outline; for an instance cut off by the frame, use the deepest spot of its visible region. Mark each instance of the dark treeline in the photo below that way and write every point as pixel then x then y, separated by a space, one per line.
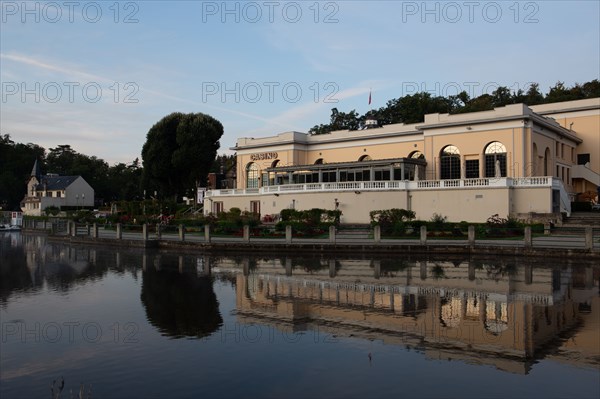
pixel 122 181
pixel 413 108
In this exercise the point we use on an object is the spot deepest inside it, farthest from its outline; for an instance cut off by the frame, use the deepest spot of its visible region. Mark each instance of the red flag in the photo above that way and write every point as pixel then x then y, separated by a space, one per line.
pixel 369 97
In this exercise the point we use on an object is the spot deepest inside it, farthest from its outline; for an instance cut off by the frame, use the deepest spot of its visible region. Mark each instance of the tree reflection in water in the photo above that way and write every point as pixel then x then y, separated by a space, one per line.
pixel 180 304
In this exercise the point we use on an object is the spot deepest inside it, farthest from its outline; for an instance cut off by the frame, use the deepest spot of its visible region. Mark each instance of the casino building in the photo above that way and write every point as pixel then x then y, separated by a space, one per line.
pixel 522 161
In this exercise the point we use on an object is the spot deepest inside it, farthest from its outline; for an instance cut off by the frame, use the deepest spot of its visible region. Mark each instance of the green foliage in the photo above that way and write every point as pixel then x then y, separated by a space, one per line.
pixel 497 226
pixel 412 108
pixel 179 152
pixel 391 221
pixel 312 221
pixel 437 221
pixel 16 161
pixel 52 210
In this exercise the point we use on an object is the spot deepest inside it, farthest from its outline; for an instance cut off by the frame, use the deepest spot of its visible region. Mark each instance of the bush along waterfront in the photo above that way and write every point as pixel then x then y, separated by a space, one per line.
pixel 401 223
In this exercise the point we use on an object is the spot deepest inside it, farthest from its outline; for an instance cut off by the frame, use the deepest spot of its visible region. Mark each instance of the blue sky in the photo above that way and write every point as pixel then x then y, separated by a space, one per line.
pixel 98 75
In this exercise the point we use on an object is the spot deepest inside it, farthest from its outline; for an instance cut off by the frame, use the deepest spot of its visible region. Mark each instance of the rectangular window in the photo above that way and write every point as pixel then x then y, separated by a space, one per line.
pixel 397 174
pixel 557 150
pixel 255 207
pixel 582 159
pixel 217 207
pixel 472 168
pixel 382 175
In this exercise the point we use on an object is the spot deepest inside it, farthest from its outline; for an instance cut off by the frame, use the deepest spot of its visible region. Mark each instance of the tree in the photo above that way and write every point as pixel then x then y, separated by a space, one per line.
pixel 16 161
pixel 179 151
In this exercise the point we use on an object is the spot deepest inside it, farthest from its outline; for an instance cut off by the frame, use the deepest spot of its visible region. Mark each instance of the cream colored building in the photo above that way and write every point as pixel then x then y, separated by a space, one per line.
pixel 520 161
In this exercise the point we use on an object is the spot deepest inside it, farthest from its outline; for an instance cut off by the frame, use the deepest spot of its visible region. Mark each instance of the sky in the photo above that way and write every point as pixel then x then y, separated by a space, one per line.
pixel 97 75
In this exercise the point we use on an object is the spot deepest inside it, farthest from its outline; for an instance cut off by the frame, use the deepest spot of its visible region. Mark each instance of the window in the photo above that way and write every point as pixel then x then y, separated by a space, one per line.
pixel 495 160
pixel 382 174
pixel 472 169
pixel 582 159
pixel 416 155
pixel 450 163
pixel 255 207
pixel 364 158
pixel 217 207
pixel 252 175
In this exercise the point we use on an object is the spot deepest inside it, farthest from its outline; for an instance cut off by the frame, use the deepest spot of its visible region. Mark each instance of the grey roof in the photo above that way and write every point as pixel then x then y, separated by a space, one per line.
pixel 35 171
pixel 56 182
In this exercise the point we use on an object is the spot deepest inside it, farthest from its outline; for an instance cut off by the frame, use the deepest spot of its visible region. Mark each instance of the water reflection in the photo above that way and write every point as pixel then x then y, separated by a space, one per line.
pixel 483 311
pixel 179 302
pixel 502 312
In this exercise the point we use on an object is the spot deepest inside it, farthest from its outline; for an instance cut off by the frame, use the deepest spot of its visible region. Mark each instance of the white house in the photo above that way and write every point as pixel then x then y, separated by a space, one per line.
pixel 54 190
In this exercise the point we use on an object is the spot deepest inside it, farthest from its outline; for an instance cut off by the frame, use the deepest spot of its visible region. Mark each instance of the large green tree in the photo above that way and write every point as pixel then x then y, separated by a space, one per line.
pixel 16 162
pixel 179 152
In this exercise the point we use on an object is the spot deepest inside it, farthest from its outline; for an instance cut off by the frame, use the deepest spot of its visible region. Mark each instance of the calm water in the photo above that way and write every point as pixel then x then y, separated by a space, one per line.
pixel 129 323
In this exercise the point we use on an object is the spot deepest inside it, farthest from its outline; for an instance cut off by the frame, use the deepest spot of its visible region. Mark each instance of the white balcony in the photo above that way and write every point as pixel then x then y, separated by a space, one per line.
pixel 542 181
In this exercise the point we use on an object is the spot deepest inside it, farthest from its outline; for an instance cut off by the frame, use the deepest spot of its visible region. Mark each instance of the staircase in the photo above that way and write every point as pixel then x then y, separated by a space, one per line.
pixel 582 219
pixel 354 232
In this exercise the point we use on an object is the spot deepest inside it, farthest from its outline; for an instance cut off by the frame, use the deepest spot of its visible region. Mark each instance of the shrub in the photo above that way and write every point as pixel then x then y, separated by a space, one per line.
pixel 52 210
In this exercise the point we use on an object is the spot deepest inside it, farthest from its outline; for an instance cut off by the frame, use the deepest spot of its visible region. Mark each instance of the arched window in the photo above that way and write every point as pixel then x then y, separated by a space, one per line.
pixel 275 163
pixel 450 163
pixel 364 158
pixel 495 160
pixel 319 161
pixel 416 155
pixel 547 160
pixel 252 175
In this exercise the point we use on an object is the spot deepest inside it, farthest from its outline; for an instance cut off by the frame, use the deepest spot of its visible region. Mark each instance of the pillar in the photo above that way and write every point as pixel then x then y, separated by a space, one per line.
pixel 95 230
pixel 471 235
pixel 181 233
pixel 288 234
pixel 206 233
pixel 246 231
pixel 332 271
pixel 377 233
pixel 332 234
pixel 145 232
pixel 158 231
pixel 376 269
pixel 119 231
pixel 527 239
pixel 423 235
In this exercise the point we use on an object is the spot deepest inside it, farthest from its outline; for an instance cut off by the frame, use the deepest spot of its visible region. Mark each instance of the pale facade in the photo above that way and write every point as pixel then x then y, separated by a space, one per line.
pixel 527 162
pixel 48 190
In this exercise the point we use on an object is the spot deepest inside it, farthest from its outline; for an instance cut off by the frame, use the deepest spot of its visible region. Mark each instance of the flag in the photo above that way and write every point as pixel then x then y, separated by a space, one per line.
pixel 369 97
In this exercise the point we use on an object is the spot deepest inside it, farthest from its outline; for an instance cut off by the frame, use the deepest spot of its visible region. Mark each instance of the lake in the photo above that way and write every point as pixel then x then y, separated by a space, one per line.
pixel 146 323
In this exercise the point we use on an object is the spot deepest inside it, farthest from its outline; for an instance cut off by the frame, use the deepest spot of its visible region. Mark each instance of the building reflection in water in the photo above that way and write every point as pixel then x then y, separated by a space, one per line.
pixel 502 312
pixel 487 312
